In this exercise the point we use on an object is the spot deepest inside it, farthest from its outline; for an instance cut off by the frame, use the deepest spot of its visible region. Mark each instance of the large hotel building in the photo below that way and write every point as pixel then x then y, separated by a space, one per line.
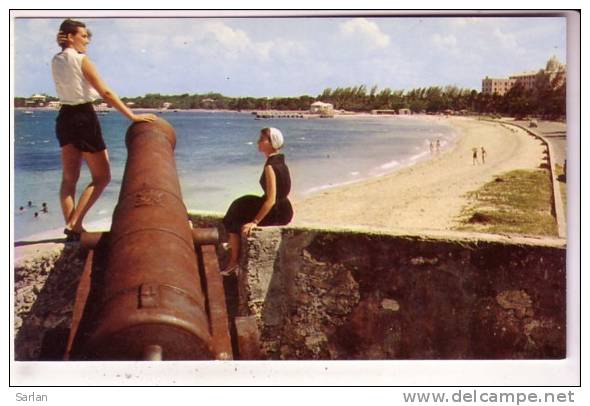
pixel 501 85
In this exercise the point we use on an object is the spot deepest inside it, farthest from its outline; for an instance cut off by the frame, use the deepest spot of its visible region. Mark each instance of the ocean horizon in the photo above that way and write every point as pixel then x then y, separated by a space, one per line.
pixel 217 158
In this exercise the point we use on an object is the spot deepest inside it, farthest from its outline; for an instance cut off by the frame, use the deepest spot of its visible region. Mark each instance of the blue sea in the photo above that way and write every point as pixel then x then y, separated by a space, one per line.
pixel 217 158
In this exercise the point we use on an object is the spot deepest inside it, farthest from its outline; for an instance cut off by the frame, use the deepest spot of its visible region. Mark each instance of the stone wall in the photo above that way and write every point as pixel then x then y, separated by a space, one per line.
pixel 321 294
pixel 45 285
pixel 353 294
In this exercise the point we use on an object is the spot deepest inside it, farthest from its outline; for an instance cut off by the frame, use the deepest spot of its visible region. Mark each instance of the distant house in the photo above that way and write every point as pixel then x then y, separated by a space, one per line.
pixel 36 100
pixel 166 105
pixel 208 103
pixel 102 107
pixel 383 111
pixel 53 105
pixel 321 108
pixel 405 111
pixel 130 104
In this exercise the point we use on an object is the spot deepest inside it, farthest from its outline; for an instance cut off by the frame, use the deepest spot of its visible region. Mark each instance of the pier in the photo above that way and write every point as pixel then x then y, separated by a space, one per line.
pixel 268 114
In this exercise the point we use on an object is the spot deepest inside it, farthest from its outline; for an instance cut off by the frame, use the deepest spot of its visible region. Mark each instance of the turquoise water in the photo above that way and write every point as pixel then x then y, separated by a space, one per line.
pixel 217 157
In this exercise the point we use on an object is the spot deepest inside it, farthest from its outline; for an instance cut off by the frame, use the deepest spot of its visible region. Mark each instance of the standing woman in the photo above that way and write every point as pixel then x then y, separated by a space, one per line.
pixel 273 208
pixel 77 128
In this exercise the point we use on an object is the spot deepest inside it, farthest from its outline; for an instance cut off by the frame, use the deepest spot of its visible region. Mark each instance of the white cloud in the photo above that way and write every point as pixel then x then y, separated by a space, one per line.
pixel 201 36
pixel 271 56
pixel 230 39
pixel 28 32
pixel 507 41
pixel 366 31
pixel 459 22
pixel 237 43
pixel 447 44
pixel 33 56
pixel 217 39
pixel 287 49
pixel 444 41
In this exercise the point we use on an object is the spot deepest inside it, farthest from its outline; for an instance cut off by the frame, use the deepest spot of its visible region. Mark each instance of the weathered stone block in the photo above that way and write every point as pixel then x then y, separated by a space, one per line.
pixel 361 295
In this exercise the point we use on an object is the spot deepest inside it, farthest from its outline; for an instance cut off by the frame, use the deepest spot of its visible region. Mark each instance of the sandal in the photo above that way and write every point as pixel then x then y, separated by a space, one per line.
pixel 71 235
pixel 232 270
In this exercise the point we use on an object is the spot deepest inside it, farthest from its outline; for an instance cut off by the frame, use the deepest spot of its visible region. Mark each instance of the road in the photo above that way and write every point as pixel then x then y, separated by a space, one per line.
pixel 554 132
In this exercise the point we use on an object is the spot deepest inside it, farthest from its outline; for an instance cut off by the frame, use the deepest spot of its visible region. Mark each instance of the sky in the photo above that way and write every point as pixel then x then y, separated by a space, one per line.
pixel 289 56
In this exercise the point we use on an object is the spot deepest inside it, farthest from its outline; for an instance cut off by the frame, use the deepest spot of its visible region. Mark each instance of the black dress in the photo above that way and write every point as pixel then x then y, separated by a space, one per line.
pixel 244 209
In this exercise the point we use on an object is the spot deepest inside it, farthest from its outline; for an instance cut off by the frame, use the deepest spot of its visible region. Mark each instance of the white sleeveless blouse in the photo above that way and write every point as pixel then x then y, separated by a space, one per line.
pixel 70 83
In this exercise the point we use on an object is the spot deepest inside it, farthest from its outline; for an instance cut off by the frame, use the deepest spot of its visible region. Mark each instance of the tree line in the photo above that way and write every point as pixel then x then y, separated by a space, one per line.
pixel 546 99
pixel 217 101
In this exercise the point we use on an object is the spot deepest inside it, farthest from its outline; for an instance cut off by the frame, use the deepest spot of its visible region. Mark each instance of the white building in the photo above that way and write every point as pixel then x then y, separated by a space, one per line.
pixel 38 97
pixel 36 100
pixel 321 108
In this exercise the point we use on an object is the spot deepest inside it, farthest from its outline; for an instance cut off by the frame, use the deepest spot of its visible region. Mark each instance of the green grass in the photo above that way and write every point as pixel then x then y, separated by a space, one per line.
pixel 517 202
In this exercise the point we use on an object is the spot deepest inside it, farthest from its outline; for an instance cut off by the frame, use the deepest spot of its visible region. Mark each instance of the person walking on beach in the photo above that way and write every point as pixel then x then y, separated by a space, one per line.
pixel 431 147
pixel 273 208
pixel 475 156
pixel 78 131
pixel 437 145
pixel 483 155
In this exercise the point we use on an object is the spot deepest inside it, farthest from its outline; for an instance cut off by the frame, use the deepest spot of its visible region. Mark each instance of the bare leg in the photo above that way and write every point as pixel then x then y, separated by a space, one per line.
pixel 234 243
pixel 71 159
pixel 98 163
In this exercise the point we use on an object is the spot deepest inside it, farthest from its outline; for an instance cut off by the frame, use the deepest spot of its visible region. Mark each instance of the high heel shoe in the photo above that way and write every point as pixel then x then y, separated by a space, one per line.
pixel 229 271
pixel 71 235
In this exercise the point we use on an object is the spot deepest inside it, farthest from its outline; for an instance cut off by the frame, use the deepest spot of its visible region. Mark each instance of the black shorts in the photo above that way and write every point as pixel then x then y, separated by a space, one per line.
pixel 78 125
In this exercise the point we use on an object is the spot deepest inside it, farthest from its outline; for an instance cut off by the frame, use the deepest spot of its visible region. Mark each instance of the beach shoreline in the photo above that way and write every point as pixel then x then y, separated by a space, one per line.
pixel 416 194
pixel 430 194
pixel 320 153
pixel 384 170
pixel 337 114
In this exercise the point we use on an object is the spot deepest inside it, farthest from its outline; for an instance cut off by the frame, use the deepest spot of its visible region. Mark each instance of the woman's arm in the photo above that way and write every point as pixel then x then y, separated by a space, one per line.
pixel 91 74
pixel 269 202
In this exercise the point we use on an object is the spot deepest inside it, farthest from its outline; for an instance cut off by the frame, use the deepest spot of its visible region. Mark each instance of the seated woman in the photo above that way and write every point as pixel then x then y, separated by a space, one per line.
pixel 273 208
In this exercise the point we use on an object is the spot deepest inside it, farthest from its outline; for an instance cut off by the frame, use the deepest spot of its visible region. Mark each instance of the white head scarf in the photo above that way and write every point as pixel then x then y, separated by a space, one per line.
pixel 276 138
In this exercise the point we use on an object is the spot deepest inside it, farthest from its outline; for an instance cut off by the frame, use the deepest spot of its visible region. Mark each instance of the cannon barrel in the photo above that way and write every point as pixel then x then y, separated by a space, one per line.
pixel 151 305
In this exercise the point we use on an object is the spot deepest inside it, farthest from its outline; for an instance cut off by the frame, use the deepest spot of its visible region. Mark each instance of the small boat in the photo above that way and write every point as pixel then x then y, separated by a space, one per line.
pixel 28 112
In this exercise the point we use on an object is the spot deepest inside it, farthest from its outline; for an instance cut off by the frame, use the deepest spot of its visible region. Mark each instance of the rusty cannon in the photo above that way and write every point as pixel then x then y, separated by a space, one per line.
pixel 151 288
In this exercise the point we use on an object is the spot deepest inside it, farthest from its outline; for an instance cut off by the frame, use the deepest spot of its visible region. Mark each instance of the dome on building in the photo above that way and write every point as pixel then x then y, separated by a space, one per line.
pixel 553 64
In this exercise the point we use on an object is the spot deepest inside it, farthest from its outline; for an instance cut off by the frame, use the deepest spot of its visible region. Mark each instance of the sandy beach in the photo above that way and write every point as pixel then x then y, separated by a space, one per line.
pixel 430 194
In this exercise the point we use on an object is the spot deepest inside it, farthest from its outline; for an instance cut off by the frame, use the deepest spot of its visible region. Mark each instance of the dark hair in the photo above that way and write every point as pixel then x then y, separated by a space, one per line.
pixel 70 26
pixel 266 132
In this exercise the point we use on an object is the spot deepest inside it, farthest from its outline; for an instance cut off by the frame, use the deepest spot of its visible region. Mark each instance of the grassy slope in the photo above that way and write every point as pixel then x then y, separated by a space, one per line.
pixel 517 202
